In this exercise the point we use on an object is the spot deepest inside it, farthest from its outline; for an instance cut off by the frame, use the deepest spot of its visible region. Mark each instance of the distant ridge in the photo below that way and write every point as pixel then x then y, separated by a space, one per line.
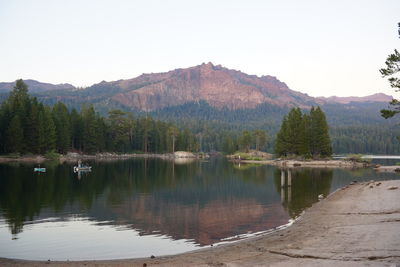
pixel 35 86
pixel 378 97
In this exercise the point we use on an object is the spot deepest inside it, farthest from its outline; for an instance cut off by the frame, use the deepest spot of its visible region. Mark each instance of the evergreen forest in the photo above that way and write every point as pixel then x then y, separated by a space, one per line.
pixel 39 124
pixel 28 126
pixel 304 135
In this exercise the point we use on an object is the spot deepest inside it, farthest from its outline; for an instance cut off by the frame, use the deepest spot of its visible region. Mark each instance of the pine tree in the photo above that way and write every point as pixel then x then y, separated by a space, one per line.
pixel 19 104
pixel 90 130
pixel 2 128
pixel 228 145
pixel 146 124
pixel 76 123
pixel 49 130
pixel 103 140
pixel 32 130
pixel 295 132
pixel 245 141
pixel 63 127
pixel 260 138
pixel 172 134
pixel 41 127
pixel 132 125
pixel 119 129
pixel 321 131
pixel 306 150
pixel 392 70
pixel 19 97
pixel 281 142
pixel 15 135
pixel 304 135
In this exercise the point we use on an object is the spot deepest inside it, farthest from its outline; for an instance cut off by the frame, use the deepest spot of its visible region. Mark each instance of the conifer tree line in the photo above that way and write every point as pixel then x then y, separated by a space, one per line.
pixel 27 126
pixel 305 135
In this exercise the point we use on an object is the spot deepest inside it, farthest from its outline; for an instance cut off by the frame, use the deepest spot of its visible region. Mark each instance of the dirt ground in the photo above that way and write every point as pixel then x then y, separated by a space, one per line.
pixel 358 225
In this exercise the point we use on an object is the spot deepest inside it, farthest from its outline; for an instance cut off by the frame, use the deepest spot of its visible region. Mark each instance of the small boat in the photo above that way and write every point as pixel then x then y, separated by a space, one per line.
pixel 39 169
pixel 82 168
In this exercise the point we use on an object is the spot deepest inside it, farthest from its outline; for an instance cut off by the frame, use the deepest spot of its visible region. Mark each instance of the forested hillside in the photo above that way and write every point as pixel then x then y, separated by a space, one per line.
pixel 27 126
pixel 354 127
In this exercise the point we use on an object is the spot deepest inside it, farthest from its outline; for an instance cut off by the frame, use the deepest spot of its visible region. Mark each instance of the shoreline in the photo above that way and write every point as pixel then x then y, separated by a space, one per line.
pixel 341 164
pixel 309 163
pixel 73 157
pixel 355 225
pixel 106 156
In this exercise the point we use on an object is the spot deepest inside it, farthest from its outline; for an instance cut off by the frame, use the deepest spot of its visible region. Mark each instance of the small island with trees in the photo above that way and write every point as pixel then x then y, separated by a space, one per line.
pixel 302 141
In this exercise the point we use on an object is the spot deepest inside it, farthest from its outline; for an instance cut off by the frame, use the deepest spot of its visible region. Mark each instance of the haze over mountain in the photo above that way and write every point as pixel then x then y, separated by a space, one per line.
pixel 217 86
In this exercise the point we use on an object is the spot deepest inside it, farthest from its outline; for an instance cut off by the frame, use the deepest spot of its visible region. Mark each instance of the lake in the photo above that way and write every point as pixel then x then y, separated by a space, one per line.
pixel 142 207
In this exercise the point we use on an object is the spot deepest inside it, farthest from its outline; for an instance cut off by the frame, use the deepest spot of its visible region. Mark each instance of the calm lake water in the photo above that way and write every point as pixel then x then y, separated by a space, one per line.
pixel 142 207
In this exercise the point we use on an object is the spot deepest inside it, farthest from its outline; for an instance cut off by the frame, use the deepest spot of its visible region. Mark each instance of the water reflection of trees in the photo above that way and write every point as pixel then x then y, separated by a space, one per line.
pixel 201 201
pixel 306 185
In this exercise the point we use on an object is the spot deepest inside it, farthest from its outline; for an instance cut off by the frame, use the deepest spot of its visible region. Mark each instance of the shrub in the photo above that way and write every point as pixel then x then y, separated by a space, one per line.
pixel 357 158
pixel 52 155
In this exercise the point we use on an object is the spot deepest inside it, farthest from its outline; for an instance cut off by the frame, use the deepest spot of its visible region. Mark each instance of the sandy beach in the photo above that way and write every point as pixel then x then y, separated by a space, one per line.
pixel 358 225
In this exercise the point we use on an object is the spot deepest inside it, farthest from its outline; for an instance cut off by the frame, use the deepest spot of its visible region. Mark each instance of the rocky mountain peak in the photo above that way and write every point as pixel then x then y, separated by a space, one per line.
pixel 219 86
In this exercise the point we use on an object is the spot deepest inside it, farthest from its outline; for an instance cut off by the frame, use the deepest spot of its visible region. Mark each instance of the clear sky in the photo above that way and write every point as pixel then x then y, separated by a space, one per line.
pixel 319 47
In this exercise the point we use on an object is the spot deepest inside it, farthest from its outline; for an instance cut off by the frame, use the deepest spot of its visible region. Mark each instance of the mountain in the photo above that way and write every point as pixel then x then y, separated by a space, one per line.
pixel 218 86
pixel 35 86
pixel 379 97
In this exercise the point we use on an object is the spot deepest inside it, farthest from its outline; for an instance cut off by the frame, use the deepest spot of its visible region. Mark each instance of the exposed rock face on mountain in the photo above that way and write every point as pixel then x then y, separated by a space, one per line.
pixel 380 97
pixel 35 86
pixel 218 86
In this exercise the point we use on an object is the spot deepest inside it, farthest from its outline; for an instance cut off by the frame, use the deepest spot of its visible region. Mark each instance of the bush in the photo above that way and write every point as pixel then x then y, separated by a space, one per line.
pixel 246 156
pixel 357 158
pixel 52 155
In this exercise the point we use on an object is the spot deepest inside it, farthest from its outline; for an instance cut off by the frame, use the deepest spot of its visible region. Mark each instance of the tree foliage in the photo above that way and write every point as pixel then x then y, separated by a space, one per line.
pixel 201 128
pixel 304 135
pixel 27 126
pixel 260 137
pixel 392 71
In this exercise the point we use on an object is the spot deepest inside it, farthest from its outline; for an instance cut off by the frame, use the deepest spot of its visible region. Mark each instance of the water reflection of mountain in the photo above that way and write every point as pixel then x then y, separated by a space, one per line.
pixel 213 202
pixel 203 201
pixel 205 224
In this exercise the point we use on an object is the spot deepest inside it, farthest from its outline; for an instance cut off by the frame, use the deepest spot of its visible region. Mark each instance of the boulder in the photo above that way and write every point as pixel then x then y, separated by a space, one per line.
pixel 184 154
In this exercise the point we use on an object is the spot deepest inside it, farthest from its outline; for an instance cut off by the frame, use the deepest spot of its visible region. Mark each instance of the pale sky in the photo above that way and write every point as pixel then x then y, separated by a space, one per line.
pixel 319 47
